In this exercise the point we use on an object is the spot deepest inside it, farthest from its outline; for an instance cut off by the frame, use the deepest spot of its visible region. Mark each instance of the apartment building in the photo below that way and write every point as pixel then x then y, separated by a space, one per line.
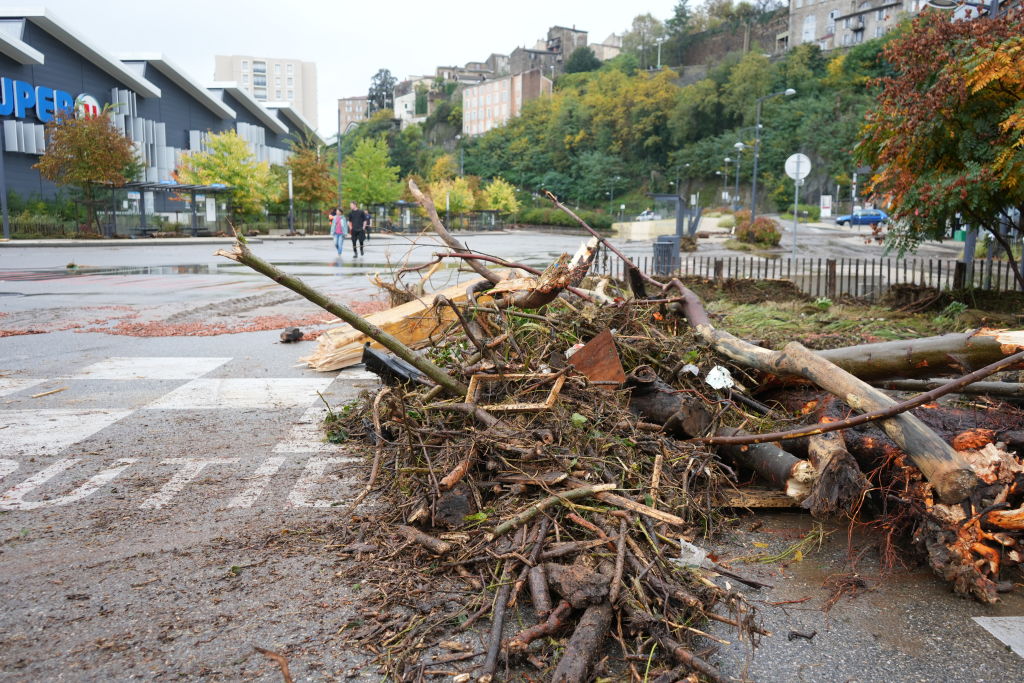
pixel 272 79
pixel 352 110
pixel 842 23
pixel 492 103
pixel 548 55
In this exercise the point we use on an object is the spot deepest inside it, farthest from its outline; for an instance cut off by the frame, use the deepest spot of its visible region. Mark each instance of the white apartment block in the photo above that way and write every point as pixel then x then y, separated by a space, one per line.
pixel 492 103
pixel 273 79
pixel 842 23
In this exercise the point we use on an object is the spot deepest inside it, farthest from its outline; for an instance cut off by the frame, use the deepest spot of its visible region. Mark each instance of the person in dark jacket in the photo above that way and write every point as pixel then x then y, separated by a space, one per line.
pixel 357 221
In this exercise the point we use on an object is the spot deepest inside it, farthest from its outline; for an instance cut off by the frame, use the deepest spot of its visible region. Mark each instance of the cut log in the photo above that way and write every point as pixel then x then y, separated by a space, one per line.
pixel 947 354
pixel 783 470
pixel 585 645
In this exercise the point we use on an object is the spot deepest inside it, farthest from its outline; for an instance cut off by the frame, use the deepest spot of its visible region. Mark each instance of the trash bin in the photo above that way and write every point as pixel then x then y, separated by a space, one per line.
pixel 666 254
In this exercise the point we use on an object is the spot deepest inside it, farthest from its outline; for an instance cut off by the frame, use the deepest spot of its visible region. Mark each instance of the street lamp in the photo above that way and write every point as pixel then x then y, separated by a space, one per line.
pixel 458 143
pixel 788 92
pixel 612 182
pixel 660 41
pixel 739 153
pixel 725 180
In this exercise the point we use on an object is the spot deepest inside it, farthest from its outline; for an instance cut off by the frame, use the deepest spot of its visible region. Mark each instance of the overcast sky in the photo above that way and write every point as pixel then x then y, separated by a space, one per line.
pixel 349 41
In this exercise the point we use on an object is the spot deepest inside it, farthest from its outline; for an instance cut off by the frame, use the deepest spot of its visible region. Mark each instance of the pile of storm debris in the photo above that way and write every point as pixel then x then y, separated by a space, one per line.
pixel 560 448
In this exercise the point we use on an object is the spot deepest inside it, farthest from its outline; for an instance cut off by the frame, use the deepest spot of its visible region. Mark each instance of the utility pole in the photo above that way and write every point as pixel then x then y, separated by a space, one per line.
pixel 340 207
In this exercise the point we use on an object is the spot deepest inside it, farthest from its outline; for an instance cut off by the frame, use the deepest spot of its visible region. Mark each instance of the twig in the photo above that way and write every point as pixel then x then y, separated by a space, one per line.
pixel 434 545
pixel 281 662
pixel 497 624
pixel 554 622
pixel 620 563
pixel 47 393
pixel 378 456
pixel 532 511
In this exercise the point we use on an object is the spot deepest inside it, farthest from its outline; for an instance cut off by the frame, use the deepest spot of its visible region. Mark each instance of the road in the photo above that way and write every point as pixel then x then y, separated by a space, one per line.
pixel 165 500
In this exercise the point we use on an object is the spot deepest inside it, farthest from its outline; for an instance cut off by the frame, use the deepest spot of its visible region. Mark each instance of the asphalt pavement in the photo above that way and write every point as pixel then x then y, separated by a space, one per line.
pixel 148 484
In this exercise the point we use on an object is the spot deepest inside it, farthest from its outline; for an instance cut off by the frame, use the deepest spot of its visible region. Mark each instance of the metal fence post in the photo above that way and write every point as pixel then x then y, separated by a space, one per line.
pixel 830 278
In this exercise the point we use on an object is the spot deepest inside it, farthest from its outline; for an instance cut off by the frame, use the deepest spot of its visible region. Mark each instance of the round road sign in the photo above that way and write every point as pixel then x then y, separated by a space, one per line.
pixel 798 166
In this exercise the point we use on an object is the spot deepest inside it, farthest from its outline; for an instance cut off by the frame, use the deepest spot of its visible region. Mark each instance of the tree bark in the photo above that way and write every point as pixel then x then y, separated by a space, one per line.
pixel 958 353
pixel 779 468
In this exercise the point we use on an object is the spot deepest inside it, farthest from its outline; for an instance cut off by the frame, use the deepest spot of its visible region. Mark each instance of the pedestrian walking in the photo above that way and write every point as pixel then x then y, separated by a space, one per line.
pixel 357 221
pixel 339 228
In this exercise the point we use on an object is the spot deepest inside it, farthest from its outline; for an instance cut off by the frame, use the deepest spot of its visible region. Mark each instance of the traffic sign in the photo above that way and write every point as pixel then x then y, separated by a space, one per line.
pixel 798 166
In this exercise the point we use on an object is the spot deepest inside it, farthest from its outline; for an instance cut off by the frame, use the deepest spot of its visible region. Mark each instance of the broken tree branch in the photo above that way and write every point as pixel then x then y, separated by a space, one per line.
pixel 428 205
pixel 242 254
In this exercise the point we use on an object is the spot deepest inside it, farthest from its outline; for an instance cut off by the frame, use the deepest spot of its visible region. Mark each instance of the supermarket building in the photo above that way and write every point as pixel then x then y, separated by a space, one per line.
pixel 46 67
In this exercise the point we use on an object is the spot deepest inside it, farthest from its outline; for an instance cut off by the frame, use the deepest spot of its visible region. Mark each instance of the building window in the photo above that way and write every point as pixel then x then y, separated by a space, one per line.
pixel 291 81
pixel 277 68
pixel 245 79
pixel 260 93
pixel 245 65
pixel 277 94
pixel 259 67
pixel 291 69
pixel 291 95
pixel 259 81
pixel 879 31
pixel 277 81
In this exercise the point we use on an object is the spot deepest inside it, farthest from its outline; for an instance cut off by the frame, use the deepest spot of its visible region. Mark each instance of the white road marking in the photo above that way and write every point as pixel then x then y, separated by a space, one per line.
pixel 303 490
pixel 259 480
pixel 11 385
pixel 1008 630
pixel 145 367
pixel 48 432
pixel 7 466
pixel 190 469
pixel 307 436
pixel 14 498
pixel 266 394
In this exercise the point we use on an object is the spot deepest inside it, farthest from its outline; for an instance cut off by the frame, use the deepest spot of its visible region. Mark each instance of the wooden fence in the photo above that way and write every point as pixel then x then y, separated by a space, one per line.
pixel 866 279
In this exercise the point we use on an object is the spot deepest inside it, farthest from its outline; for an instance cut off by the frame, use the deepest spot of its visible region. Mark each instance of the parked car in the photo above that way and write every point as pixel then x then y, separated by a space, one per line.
pixel 646 215
pixel 863 217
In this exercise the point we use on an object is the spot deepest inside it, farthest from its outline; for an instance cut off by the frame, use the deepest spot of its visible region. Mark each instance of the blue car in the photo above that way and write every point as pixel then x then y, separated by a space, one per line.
pixel 863 217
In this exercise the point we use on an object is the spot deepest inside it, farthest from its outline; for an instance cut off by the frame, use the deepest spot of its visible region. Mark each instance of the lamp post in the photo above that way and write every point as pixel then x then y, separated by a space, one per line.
pixel 739 154
pixel 788 92
pixel 612 182
pixel 725 180
pixel 725 177
pixel 660 41
pixel 458 143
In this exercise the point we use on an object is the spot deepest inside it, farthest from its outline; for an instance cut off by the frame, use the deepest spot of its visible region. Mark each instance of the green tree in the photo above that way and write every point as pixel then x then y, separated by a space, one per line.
pixel 454 193
pixel 582 59
pixel 499 195
pixel 936 141
pixel 381 95
pixel 368 177
pixel 642 38
pixel 86 153
pixel 229 161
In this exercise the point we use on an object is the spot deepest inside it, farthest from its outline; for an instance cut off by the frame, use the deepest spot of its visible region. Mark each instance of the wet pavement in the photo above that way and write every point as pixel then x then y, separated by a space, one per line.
pixel 146 484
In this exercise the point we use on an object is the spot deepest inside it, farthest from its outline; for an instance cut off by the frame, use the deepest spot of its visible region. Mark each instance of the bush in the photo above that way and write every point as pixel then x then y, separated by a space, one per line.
pixel 762 232
pixel 549 216
pixel 727 222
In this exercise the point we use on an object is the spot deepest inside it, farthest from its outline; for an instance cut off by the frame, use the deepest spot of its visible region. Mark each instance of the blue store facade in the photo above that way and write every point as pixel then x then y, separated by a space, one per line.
pixel 46 67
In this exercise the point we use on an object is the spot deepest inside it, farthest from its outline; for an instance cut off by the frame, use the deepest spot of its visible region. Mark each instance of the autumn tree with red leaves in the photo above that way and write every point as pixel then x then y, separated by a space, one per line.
pixel 938 138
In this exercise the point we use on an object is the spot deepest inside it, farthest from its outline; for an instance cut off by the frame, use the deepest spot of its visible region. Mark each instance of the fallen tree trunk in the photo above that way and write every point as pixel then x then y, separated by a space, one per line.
pixel 949 473
pixel 1001 389
pixel 958 353
pixel 658 402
